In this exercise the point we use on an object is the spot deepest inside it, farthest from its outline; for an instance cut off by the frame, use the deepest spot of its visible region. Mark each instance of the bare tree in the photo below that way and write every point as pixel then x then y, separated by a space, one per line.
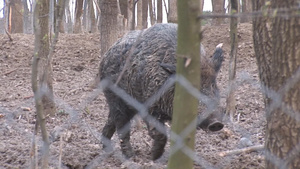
pixel 124 7
pixel 41 79
pixel 85 17
pixel 277 51
pixel 132 5
pixel 218 8
pixel 126 12
pixel 61 26
pixel 110 26
pixel 16 16
pixel 52 15
pixel 92 27
pixel 185 105
pixel 151 12
pixel 78 13
pixel 172 15
pixel 40 71
pixel 246 8
pixel 144 14
pixel 201 5
pixel 159 11
pixel 68 16
pixel 139 22
pixel 230 101
pixel 27 19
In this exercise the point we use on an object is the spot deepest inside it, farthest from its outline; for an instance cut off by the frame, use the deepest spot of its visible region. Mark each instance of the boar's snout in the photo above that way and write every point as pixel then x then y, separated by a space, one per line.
pixel 211 124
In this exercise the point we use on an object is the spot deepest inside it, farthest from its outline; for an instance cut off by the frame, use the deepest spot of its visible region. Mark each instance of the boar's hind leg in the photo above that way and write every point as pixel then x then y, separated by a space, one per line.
pixel 118 119
pixel 107 132
pixel 159 137
pixel 123 129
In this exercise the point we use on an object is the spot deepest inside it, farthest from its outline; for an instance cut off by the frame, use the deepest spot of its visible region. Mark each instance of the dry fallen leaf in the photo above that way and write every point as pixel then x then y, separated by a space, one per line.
pixel 26 108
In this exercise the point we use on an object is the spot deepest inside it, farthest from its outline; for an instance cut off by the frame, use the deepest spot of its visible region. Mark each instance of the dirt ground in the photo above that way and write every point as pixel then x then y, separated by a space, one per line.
pixel 79 120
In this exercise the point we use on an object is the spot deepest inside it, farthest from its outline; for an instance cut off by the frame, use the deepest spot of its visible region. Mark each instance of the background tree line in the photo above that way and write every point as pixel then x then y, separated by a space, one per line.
pixel 84 15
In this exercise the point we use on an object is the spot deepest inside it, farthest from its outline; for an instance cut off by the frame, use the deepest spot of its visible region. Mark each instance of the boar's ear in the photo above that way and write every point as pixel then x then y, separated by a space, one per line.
pixel 218 57
pixel 170 68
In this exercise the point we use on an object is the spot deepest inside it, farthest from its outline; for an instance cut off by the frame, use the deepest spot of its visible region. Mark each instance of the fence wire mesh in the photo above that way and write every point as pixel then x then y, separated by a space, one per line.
pixel 74 116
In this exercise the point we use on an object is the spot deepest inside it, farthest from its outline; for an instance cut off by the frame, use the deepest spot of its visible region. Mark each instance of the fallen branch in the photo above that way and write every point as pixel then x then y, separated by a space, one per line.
pixel 239 151
pixel 7 73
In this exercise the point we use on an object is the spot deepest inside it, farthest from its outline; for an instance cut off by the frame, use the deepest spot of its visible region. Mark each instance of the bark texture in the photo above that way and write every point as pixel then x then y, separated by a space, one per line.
pixel 185 105
pixel 78 14
pixel 218 8
pixel 277 48
pixel 16 13
pixel 172 15
pixel 230 101
pixel 159 11
pixel 109 24
pixel 144 14
pixel 139 13
pixel 246 8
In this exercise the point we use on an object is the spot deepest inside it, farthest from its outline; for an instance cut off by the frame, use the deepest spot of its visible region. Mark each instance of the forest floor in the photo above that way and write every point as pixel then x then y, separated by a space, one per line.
pixel 79 119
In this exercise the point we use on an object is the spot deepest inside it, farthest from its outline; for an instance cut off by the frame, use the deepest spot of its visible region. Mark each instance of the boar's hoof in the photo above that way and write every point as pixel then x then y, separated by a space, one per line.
pixel 215 126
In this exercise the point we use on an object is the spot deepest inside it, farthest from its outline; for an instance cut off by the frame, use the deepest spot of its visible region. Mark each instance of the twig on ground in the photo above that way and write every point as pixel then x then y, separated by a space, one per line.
pixel 28 97
pixel 239 151
pixel 7 73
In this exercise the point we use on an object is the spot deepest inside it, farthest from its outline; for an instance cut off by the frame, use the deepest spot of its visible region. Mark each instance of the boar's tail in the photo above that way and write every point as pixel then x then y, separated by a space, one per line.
pixel 218 57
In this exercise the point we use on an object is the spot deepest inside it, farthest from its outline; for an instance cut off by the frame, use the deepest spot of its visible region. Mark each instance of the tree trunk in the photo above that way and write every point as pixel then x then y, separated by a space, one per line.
pixel 218 8
pixel 40 70
pixel 172 15
pixel 61 26
pixel 132 23
pixel 144 14
pixel 92 24
pixel 246 8
pixel 60 15
pixel 27 22
pixel 186 105
pixel 110 28
pixel 126 12
pixel 124 8
pixel 68 16
pixel 2 24
pixel 5 18
pixel 159 11
pixel 52 15
pixel 78 13
pixel 151 12
pixel 201 5
pixel 277 50
pixel 16 12
pixel 8 16
pixel 85 19
pixel 230 101
pixel 139 23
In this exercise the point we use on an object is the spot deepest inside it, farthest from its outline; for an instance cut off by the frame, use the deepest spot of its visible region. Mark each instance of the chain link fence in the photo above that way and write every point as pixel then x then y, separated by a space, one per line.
pixel 11 122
